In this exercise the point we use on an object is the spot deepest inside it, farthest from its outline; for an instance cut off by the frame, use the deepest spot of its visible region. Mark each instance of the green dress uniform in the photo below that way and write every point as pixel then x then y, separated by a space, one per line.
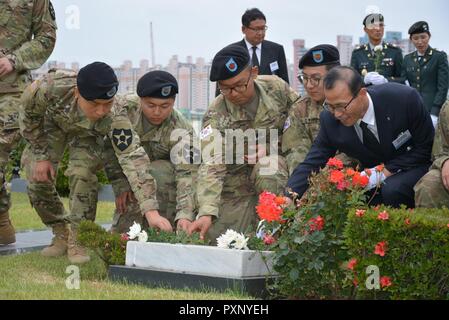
pixel 174 177
pixel 27 39
pixel 51 120
pixel 429 75
pixel 387 62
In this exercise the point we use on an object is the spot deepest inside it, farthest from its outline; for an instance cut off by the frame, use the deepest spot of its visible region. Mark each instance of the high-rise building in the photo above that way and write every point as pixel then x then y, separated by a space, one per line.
pixel 299 50
pixel 406 46
pixel 344 46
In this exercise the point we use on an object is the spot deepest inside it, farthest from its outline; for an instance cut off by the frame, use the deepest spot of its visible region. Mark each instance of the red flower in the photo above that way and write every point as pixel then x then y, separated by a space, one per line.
pixel 316 224
pixel 385 281
pixel 376 208
pixel 350 172
pixel 336 176
pixel 124 237
pixel 280 201
pixel 380 248
pixel 268 209
pixel 268 239
pixel 334 162
pixel 368 172
pixel 407 221
pixel 359 180
pixel 383 215
pixel 355 282
pixel 360 213
pixel 352 263
pixel 380 168
pixel 342 185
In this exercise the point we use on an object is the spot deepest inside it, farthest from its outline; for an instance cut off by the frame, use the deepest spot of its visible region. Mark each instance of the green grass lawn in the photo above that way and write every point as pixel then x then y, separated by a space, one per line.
pixel 31 276
pixel 24 217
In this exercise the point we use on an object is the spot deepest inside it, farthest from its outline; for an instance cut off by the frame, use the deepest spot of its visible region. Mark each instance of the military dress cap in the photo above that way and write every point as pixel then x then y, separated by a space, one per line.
pixel 229 62
pixel 97 81
pixel 373 18
pixel 157 84
pixel 320 55
pixel 419 27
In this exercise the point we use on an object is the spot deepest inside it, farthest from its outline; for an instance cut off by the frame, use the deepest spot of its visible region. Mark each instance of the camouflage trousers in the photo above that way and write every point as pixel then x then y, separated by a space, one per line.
pixel 85 159
pixel 430 191
pixel 163 172
pixel 240 196
pixel 9 138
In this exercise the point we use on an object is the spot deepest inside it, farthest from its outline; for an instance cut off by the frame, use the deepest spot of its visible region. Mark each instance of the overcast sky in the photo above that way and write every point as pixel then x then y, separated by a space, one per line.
pixel 115 30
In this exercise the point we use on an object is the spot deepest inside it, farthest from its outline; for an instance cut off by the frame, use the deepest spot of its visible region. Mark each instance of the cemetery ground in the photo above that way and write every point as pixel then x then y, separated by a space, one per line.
pixel 31 276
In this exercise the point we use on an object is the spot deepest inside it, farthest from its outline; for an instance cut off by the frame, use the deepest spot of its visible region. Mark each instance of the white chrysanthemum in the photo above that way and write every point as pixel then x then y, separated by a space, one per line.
pixel 142 236
pixel 240 242
pixel 134 231
pixel 378 48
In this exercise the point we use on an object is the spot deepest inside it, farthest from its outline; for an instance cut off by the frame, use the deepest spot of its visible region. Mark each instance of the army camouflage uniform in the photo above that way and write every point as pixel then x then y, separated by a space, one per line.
pixel 429 75
pixel 51 121
pixel 175 191
pixel 27 38
pixel 300 130
pixel 390 65
pixel 430 191
pixel 229 192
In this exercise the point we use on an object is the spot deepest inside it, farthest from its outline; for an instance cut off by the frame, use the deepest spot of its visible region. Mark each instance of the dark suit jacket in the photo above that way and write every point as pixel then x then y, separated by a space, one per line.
pixel 270 53
pixel 397 108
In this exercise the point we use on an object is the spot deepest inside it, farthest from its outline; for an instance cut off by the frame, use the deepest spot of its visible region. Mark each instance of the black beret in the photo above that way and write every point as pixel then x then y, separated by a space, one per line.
pixel 419 27
pixel 157 84
pixel 320 55
pixel 229 62
pixel 97 81
pixel 373 18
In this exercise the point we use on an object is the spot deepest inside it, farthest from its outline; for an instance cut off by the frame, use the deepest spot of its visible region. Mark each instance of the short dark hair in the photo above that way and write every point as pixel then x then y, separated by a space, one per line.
pixel 251 15
pixel 346 74
pixel 332 65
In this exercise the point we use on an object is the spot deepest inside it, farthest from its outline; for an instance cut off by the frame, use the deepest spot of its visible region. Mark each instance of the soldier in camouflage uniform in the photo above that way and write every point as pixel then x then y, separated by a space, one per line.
pixel 377 61
pixel 426 70
pixel 228 190
pixel 79 112
pixel 27 38
pixel 303 122
pixel 432 191
pixel 155 121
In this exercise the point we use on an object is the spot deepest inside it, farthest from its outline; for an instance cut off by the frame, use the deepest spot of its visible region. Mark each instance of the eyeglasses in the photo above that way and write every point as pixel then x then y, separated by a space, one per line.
pixel 239 88
pixel 334 109
pixel 314 81
pixel 261 30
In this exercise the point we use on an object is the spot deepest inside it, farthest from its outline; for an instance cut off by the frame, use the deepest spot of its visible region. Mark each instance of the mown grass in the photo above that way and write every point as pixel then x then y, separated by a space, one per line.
pixel 31 276
pixel 24 217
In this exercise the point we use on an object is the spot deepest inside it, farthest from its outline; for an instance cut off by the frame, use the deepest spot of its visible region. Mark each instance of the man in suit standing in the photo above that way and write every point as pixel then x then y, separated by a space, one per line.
pixel 386 124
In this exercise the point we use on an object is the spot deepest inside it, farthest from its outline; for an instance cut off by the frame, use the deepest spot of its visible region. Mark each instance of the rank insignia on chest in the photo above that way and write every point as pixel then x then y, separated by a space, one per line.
pixel 122 138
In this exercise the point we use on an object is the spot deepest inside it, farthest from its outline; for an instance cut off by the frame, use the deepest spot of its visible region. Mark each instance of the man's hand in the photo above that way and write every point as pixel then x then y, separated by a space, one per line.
pixel 261 151
pixel 184 225
pixel 445 174
pixel 202 225
pixel 122 201
pixel 374 78
pixel 6 66
pixel 43 171
pixel 156 221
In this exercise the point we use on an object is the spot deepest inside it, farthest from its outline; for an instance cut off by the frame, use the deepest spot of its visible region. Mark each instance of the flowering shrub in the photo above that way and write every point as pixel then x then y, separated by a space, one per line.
pixel 410 248
pixel 309 254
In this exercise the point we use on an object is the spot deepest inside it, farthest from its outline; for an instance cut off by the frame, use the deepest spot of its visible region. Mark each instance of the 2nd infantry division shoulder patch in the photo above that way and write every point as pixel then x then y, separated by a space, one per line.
pixel 122 138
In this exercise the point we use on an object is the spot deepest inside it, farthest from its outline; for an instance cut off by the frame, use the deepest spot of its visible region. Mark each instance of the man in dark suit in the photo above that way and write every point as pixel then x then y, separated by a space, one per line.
pixel 386 124
pixel 268 56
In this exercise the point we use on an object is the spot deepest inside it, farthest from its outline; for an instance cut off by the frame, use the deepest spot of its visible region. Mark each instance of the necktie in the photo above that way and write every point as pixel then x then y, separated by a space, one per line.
pixel 254 58
pixel 369 139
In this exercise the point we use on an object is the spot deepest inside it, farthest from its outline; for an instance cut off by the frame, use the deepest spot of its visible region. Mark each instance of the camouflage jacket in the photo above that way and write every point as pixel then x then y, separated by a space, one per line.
pixel 27 36
pixel 300 130
pixel 389 64
pixel 215 176
pixel 51 99
pixel 158 146
pixel 440 150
